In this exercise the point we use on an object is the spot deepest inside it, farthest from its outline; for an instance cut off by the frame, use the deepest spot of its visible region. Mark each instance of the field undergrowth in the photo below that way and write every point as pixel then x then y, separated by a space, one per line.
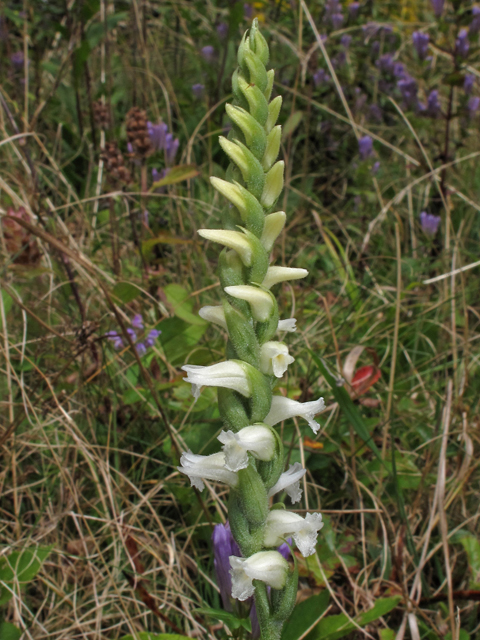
pixel 110 113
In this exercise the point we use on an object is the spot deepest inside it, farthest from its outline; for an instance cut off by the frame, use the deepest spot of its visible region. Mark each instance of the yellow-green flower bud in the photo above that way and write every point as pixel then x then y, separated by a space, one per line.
pixel 235 240
pixel 274 139
pixel 250 167
pixel 273 113
pixel 254 133
pixel 274 224
pixel 261 302
pixel 273 185
pixel 270 78
pixel 282 274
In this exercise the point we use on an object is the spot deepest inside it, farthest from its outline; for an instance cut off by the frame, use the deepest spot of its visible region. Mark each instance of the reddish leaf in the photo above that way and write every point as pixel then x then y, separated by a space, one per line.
pixel 364 378
pixel 133 552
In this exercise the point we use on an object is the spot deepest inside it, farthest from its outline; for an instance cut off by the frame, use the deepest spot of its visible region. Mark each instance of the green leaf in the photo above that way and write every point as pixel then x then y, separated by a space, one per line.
pixel 125 291
pixel 347 406
pixel 229 618
pixel 178 338
pixel 182 304
pixel 471 544
pixel 9 631
pixel 23 566
pixel 305 615
pixel 146 635
pixel 176 174
pixel 291 124
pixel 334 627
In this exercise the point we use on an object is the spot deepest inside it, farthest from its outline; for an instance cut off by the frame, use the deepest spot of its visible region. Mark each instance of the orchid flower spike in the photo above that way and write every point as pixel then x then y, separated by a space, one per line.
pixel 289 481
pixel 199 468
pixel 256 439
pixel 261 302
pixel 281 524
pixel 229 375
pixel 268 566
pixel 283 408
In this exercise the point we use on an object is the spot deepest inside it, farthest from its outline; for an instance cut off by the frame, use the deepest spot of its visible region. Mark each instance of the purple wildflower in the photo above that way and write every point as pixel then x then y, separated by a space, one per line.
pixel 468 83
pixel 375 168
pixel 247 11
pixel 208 53
pixel 473 104
pixel 333 13
pixel 137 321
pixel 398 70
pixel 385 63
pixel 337 20
pixel 132 334
pixel 222 30
pixel 157 134
pixel 141 349
pixel 159 175
pixel 433 104
pixel 353 10
pixel 17 59
pixel 475 23
pixel 430 223
pixel 197 90
pixel 114 337
pixel 365 147
pixel 345 40
pixel 408 89
pixel 171 148
pixel 320 77
pixel 437 6
pixel 152 337
pixel 224 546
pixel 462 44
pixel 420 42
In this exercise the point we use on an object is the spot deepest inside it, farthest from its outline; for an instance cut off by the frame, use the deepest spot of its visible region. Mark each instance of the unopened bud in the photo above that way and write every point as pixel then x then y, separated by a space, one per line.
pixel 261 302
pixel 282 274
pixel 274 224
pixel 273 185
pixel 273 147
pixel 273 113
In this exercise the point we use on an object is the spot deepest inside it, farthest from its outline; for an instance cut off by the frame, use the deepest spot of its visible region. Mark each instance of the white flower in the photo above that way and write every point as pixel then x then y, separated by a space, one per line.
pixel 275 275
pixel 268 566
pixel 216 315
pixel 284 408
pixel 235 240
pixel 274 224
pixel 199 468
pixel 281 524
pixel 261 302
pixel 257 439
pixel 229 374
pixel 290 325
pixel 274 358
pixel 290 482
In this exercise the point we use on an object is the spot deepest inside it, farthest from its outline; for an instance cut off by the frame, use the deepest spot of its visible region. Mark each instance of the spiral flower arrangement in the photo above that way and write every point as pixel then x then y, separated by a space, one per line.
pixel 252 461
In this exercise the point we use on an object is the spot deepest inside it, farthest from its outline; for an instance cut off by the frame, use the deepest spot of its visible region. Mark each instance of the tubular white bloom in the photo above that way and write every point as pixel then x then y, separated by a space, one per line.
pixel 290 325
pixel 281 524
pixel 274 224
pixel 260 301
pixel 281 274
pixel 235 240
pixel 284 408
pixel 199 468
pixel 257 439
pixel 290 482
pixel 268 566
pixel 216 315
pixel 274 358
pixel 229 374
pixel 273 184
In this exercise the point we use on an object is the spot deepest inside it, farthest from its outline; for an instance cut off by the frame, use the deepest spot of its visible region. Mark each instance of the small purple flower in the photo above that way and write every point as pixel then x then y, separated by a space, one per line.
pixel 462 44
pixel 132 334
pixel 320 77
pixel 247 11
pixel 420 42
pixel 152 337
pixel 385 63
pixel 141 349
pixel 337 20
pixel 365 147
pixel 197 90
pixel 137 321
pixel 114 337
pixel 224 546
pixel 353 10
pixel 430 223
pixel 345 40
pixel 222 30
pixel 171 148
pixel 399 70
pixel 433 104
pixel 17 59
pixel 468 83
pixel 408 89
pixel 473 104
pixel 157 134
pixel 375 168
pixel 438 7
pixel 208 53
pixel 159 175
pixel 475 23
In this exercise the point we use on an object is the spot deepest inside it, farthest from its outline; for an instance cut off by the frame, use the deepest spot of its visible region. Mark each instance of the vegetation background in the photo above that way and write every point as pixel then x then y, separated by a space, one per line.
pixel 101 538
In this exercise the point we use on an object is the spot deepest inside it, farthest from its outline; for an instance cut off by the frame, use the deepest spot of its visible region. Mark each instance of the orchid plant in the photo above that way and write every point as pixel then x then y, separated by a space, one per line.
pixel 251 461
